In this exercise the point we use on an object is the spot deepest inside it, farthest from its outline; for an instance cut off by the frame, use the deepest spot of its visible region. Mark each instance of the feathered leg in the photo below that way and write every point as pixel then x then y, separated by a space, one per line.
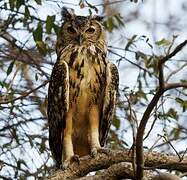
pixel 94 130
pixel 67 141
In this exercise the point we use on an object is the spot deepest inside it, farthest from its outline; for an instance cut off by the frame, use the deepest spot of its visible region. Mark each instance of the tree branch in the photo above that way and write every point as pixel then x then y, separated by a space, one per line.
pixel 140 133
pixel 12 41
pixel 116 171
pixel 174 52
pixel 103 161
pixel 161 89
pixel 175 85
pixel 175 71
pixel 25 94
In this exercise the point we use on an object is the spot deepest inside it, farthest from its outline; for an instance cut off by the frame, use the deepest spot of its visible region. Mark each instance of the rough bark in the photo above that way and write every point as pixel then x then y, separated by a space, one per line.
pixel 117 164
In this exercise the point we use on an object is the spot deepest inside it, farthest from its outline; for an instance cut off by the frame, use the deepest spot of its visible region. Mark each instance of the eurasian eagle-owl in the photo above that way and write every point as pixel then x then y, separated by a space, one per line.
pixel 82 89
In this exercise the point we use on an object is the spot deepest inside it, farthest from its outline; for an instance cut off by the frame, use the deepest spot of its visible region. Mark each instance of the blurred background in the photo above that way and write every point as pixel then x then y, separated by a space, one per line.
pixel 138 34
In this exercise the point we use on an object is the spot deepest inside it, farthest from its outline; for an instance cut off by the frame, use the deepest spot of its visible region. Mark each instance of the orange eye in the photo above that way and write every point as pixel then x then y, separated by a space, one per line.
pixel 90 30
pixel 71 30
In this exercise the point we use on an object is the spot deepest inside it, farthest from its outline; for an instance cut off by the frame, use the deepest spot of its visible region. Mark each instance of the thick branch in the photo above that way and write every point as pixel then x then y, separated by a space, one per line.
pixel 175 85
pixel 103 161
pixel 140 133
pixel 150 107
pixel 116 171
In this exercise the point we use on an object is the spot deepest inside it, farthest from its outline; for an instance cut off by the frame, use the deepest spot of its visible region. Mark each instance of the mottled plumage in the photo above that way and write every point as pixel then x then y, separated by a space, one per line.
pixel 82 89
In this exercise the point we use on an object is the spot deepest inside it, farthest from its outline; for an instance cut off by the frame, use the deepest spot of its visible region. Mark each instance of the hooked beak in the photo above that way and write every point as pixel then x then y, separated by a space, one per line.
pixel 79 39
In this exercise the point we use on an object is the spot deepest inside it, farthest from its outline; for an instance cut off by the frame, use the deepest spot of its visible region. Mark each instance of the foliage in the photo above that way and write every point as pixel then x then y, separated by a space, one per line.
pixel 27 53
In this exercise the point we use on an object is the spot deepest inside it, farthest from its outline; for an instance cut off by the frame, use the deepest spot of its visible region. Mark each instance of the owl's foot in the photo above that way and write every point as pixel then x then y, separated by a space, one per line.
pixel 104 150
pixel 75 158
pixel 95 151
pixel 67 162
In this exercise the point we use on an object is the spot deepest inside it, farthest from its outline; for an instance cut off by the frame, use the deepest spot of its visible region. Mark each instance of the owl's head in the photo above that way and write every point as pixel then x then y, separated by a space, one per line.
pixel 80 30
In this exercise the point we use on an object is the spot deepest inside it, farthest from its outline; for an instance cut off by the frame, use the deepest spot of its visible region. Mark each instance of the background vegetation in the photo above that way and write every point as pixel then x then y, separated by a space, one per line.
pixel 142 37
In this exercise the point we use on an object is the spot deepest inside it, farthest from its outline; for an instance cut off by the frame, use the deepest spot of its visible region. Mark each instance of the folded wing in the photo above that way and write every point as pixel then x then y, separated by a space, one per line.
pixel 111 88
pixel 58 105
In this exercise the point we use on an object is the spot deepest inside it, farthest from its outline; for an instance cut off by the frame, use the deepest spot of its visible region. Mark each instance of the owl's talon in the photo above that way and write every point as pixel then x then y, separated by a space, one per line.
pixel 75 158
pixel 94 152
pixel 65 164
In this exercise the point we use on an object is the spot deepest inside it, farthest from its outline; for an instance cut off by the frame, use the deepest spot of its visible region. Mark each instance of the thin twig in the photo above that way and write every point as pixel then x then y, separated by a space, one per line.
pixel 152 125
pixel 132 123
pixel 174 52
pixel 24 95
pixel 176 71
pixel 122 57
pixel 165 138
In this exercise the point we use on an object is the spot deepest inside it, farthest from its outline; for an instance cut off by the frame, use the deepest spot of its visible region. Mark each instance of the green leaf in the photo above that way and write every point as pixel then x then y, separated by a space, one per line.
pixel 176 132
pixel 179 100
pixel 113 22
pixel 119 19
pixel 130 42
pixel 182 103
pixel 109 24
pixel 38 33
pixel 172 114
pixel 141 94
pixel 2 84
pixel 41 47
pixel 116 122
pixel 50 23
pixel 56 29
pixel 38 2
pixel 19 3
pixel 81 4
pixel 140 54
pixel 183 81
pixel 163 42
pixel 27 12
pixel 12 4
pixel 42 146
pixel 10 67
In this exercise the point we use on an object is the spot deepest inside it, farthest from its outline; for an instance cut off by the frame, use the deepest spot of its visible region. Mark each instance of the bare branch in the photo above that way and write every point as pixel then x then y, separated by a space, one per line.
pixel 12 41
pixel 131 62
pixel 161 89
pixel 176 71
pixel 161 74
pixel 24 95
pixel 174 52
pixel 175 85
pixel 140 133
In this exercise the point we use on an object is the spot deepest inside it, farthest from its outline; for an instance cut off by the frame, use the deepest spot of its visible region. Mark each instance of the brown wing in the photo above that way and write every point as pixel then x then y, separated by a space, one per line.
pixel 58 104
pixel 112 81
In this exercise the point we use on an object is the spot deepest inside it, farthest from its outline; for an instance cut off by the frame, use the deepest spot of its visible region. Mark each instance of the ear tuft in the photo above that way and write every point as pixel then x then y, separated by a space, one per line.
pixel 68 13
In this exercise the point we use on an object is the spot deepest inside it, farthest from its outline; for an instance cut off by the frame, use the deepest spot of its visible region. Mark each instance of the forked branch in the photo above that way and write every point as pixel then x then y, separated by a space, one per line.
pixel 161 89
